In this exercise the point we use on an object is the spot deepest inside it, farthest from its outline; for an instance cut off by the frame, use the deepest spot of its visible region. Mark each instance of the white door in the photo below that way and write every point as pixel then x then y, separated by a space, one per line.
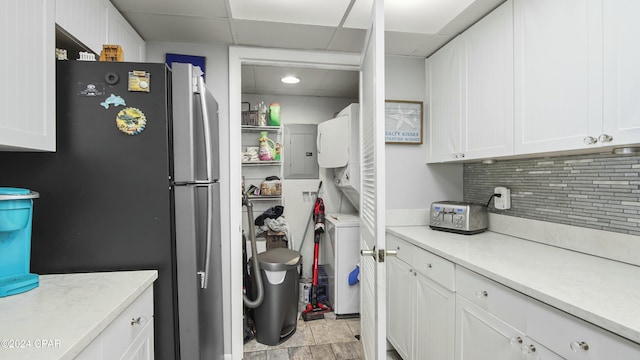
pixel 372 200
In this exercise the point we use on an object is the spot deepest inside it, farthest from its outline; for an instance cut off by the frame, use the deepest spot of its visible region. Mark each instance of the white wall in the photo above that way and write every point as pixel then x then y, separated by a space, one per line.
pixel 411 184
pixel 297 208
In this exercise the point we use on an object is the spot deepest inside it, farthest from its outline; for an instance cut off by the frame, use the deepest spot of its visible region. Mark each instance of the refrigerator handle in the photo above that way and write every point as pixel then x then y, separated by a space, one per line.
pixel 207 126
pixel 204 275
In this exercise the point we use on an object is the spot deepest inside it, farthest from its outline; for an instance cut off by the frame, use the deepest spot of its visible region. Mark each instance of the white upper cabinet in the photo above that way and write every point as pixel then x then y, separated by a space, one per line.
pixel 558 97
pixel 27 70
pixel 86 20
pixel 487 118
pixel 444 70
pixel 97 22
pixel 120 32
pixel 621 107
pixel 471 92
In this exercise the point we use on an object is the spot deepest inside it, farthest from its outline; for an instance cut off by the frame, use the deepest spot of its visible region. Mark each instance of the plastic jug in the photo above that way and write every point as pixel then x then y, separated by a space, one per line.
pixel 274 114
pixel 267 148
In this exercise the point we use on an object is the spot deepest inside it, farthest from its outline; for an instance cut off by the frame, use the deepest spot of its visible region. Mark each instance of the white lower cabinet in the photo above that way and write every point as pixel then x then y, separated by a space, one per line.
pixel 421 303
pixel 496 322
pixel 574 339
pixel 440 310
pixel 128 337
pixel 400 306
pixel 482 336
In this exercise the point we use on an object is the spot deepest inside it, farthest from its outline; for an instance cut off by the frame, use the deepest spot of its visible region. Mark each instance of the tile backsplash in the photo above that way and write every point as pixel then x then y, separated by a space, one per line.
pixel 599 191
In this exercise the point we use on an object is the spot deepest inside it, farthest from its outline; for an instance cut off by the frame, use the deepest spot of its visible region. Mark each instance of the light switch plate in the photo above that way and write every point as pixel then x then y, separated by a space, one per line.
pixel 504 201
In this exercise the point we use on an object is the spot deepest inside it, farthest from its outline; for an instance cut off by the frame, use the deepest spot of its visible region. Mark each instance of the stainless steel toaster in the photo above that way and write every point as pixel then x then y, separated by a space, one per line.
pixel 458 217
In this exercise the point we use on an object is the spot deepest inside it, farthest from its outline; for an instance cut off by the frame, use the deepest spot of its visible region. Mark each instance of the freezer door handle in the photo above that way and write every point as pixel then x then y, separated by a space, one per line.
pixel 204 275
pixel 206 121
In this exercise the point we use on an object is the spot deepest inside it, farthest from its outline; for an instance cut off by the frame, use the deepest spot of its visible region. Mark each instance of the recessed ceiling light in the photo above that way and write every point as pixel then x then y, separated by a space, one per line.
pixel 290 80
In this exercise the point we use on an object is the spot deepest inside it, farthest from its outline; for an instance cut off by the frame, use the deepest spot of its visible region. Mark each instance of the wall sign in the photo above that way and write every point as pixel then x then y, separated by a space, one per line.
pixel 403 122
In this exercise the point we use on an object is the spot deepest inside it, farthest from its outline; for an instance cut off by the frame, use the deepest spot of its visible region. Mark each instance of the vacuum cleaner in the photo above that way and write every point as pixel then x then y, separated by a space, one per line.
pixel 315 309
pixel 248 303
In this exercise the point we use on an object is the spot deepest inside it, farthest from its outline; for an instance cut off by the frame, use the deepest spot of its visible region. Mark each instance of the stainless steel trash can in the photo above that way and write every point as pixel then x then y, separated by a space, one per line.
pixel 275 319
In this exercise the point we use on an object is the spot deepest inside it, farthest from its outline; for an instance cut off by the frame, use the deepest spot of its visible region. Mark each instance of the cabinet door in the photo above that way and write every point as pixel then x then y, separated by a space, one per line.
pixel 621 71
pixel 481 336
pixel 435 321
pixel 445 101
pixel 120 32
pixel 142 347
pixel 487 117
pixel 86 20
pixel 558 76
pixel 400 293
pixel 27 70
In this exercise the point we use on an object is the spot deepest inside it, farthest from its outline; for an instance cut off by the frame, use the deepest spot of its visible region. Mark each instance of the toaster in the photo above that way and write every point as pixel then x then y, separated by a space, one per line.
pixel 458 217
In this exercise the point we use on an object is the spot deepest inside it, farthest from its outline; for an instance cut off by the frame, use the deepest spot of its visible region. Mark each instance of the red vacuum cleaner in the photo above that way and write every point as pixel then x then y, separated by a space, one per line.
pixel 315 310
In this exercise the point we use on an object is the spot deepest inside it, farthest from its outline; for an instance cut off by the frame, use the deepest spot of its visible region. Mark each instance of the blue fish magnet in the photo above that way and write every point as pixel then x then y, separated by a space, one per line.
pixel 113 100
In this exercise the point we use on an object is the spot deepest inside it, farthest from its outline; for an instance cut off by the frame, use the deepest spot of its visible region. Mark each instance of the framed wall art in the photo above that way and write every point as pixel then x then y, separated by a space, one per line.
pixel 403 122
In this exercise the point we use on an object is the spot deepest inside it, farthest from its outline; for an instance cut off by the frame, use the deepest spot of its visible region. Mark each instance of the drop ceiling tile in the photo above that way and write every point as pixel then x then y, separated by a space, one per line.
pixel 201 8
pixel 280 35
pixel 359 15
pixel 309 12
pixel 187 29
pixel 269 77
pixel 348 40
pixel 340 83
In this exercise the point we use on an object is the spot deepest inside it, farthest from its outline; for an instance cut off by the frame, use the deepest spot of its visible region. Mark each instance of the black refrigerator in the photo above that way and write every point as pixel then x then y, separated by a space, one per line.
pixel 134 184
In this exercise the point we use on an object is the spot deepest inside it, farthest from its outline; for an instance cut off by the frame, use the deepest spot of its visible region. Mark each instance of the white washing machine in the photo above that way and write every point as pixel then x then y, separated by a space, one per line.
pixel 340 254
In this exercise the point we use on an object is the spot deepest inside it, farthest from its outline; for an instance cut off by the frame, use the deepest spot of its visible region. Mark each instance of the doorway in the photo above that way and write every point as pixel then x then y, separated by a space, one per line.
pixel 239 56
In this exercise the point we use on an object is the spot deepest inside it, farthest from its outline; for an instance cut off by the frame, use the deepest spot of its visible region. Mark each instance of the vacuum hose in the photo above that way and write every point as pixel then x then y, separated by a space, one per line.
pixel 254 253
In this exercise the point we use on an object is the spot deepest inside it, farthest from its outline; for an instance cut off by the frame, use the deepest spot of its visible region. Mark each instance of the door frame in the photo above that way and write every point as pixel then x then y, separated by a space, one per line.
pixel 238 56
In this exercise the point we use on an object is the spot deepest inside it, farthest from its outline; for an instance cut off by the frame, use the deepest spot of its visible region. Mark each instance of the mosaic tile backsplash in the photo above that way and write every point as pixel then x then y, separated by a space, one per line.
pixel 599 191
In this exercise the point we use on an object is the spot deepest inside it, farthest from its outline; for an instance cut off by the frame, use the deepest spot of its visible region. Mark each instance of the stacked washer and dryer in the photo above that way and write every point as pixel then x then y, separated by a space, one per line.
pixel 338 149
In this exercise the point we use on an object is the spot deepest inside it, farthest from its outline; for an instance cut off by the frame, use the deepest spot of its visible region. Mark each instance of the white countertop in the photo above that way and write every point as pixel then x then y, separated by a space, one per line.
pixel 66 312
pixel 598 290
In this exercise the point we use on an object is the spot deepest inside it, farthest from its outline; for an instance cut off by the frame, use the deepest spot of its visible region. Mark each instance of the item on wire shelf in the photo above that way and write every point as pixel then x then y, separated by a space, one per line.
pixel 251 155
pixel 267 148
pixel 262 114
pixel 274 114
pixel 271 188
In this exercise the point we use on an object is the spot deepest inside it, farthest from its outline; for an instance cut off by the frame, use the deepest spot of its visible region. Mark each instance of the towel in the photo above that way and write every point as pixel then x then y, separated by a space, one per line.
pixel 279 224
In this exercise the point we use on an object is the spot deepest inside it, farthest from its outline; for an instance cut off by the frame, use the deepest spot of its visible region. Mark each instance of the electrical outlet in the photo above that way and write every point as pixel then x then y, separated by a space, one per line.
pixel 504 201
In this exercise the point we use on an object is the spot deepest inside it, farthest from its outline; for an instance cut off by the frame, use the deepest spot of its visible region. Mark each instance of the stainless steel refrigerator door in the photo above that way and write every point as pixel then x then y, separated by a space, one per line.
pixel 195 127
pixel 199 294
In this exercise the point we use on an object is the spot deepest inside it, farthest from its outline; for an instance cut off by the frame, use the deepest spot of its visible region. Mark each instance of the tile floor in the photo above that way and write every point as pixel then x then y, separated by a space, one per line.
pixel 326 339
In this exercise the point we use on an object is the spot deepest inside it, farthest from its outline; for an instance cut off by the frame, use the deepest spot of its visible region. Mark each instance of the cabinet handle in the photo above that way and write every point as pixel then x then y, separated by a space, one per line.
pixel 428 266
pixel 530 349
pixel 482 293
pixel 605 138
pixel 514 340
pixel 590 140
pixel 137 321
pixel 577 346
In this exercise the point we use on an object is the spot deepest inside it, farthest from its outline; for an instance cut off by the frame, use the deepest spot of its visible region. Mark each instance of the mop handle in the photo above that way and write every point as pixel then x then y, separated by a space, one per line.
pixel 313 208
